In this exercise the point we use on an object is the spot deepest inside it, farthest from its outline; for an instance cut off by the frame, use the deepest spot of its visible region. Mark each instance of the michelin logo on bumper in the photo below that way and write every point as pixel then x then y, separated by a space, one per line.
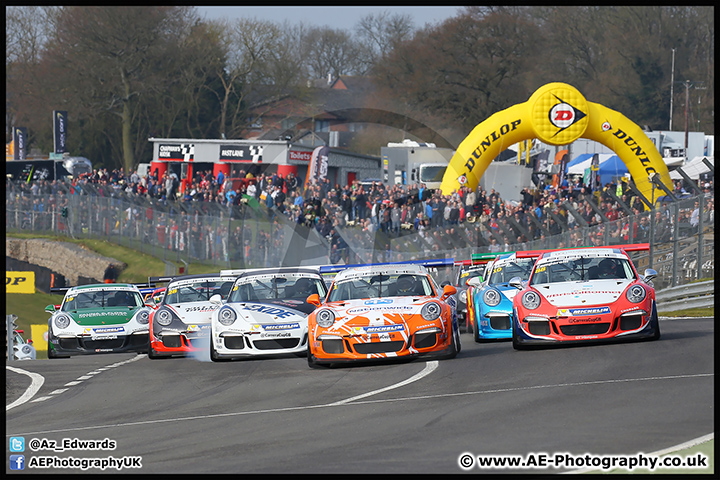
pixel 578 312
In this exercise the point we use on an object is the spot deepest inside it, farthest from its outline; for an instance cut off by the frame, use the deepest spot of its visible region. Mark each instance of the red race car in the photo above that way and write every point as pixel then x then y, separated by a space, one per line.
pixel 584 295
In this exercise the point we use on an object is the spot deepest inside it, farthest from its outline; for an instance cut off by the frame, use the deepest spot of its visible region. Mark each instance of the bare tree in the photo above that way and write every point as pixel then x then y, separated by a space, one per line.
pixel 378 34
pixel 110 57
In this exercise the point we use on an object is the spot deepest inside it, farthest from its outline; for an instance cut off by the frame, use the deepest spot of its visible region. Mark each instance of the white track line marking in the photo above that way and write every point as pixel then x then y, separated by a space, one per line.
pixel 37 381
pixel 429 368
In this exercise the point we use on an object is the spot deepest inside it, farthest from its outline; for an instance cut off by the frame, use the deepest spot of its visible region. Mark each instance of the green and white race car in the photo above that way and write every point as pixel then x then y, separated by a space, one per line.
pixel 101 318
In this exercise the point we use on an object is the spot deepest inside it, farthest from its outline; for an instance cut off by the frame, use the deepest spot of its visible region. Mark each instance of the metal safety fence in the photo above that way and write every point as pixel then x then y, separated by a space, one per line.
pixel 680 232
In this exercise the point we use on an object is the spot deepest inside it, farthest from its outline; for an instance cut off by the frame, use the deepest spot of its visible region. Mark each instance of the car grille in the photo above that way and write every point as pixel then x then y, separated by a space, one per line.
pixel 276 344
pixel 630 322
pixel 425 340
pixel 333 346
pixel 500 323
pixel 585 329
pixel 234 343
pixel 539 327
pixel 102 344
pixel 379 347
pixel 69 343
pixel 172 341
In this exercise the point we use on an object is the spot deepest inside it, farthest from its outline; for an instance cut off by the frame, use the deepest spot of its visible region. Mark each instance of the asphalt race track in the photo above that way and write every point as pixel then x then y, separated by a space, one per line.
pixel 276 415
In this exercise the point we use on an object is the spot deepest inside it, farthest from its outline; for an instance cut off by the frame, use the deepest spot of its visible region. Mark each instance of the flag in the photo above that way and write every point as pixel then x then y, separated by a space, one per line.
pixel 318 166
pixel 19 143
pixel 250 200
pixel 60 131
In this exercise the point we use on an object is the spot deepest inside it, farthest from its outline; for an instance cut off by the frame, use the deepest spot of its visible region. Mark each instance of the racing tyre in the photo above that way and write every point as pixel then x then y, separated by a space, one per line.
pixel 312 361
pixel 655 321
pixel 153 354
pixel 515 342
pixel 454 346
pixel 51 354
pixel 214 355
pixel 476 332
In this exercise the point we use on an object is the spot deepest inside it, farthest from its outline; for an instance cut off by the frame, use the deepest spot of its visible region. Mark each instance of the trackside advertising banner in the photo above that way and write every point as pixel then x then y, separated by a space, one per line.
pixel 241 153
pixel 184 152
pixel 20 282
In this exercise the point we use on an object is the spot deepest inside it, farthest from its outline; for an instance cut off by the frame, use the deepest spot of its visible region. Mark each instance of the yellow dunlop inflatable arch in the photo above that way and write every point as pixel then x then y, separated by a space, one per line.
pixel 557 114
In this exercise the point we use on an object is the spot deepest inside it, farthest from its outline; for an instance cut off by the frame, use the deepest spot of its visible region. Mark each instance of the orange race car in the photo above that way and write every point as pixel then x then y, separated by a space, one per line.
pixel 383 311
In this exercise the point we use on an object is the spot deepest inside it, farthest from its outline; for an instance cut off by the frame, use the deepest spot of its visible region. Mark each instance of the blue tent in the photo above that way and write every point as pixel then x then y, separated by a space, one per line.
pixel 610 169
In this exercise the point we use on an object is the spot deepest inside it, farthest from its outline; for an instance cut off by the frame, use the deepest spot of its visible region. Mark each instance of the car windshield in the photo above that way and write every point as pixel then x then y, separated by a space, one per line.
pixel 101 299
pixel 197 291
pixel 290 286
pixel 381 285
pixel 503 271
pixel 467 275
pixel 582 269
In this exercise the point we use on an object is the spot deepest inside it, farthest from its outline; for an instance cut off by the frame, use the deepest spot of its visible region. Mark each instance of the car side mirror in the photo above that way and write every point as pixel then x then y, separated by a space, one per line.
pixel 50 309
pixel 650 274
pixel 216 299
pixel 448 290
pixel 314 299
pixel 516 282
pixel 475 282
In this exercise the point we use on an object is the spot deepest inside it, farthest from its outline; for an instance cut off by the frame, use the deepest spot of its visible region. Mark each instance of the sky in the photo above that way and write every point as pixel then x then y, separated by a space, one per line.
pixel 344 18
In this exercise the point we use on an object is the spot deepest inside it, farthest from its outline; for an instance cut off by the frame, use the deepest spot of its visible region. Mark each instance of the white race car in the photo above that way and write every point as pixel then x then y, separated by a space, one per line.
pixel 265 314
pixel 106 317
pixel 180 324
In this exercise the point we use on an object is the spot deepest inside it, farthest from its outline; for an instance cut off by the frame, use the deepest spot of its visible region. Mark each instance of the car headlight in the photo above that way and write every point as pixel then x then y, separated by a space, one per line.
pixel 62 321
pixel 227 316
pixel 325 318
pixel 636 294
pixel 531 300
pixel 463 296
pixel 26 349
pixel 163 317
pixel 143 316
pixel 492 297
pixel 431 311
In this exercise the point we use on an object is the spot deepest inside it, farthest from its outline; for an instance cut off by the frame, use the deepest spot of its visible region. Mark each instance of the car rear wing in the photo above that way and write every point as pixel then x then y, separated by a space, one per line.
pixel 152 281
pixel 63 290
pixel 434 266
pixel 438 263
pixel 635 247
pixel 479 259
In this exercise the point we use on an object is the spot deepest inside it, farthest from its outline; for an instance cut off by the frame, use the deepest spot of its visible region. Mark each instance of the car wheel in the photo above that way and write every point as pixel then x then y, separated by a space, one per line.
pixel 312 361
pixel 515 338
pixel 454 347
pixel 51 354
pixel 476 332
pixel 213 353
pixel 655 322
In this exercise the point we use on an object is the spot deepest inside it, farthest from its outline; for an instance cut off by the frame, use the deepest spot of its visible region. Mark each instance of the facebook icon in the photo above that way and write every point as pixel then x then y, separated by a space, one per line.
pixel 17 462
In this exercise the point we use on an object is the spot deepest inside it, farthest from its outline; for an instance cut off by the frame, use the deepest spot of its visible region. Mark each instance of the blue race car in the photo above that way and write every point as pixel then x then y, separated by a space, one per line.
pixel 490 302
